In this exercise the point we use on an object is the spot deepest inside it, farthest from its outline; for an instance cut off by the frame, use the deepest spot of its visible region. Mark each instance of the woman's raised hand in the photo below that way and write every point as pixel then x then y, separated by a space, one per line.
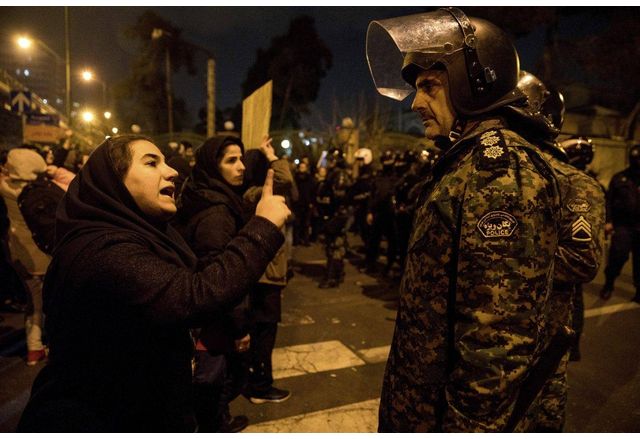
pixel 272 207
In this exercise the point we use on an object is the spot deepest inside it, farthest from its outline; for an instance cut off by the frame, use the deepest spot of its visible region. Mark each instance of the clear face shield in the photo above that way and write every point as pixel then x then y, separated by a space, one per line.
pixel 420 39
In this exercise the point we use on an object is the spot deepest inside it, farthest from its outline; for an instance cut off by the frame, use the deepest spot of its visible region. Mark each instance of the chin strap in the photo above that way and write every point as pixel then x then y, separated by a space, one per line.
pixel 456 131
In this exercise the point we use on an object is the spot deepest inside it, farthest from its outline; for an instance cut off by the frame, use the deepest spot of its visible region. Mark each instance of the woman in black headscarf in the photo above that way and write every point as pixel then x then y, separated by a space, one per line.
pixel 122 291
pixel 211 212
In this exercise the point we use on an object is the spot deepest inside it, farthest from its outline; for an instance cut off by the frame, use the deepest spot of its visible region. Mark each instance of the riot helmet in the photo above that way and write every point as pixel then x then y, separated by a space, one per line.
pixel 365 155
pixel 554 108
pixel 427 160
pixel 634 157
pixel 404 161
pixel 335 158
pixel 579 151
pixel 481 62
pixel 532 114
pixel 387 158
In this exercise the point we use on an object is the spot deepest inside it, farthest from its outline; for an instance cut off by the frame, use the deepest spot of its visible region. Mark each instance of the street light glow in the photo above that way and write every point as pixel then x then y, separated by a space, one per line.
pixel 24 42
pixel 107 115
pixel 87 116
pixel 114 130
pixel 285 144
pixel 87 75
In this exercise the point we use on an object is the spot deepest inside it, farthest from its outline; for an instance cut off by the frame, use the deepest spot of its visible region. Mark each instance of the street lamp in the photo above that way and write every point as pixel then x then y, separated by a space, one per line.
pixel 25 42
pixel 107 115
pixel 88 116
pixel 88 76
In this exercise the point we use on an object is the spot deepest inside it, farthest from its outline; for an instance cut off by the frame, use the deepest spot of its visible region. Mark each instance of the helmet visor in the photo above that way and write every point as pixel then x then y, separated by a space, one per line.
pixel 420 39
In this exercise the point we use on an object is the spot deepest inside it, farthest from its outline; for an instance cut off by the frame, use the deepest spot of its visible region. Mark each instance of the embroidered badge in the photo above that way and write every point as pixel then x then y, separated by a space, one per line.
pixel 493 152
pixel 497 224
pixel 581 230
pixel 579 205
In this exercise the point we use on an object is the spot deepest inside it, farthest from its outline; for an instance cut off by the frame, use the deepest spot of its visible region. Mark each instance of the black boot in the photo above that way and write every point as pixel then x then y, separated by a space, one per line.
pixel 330 276
pixel 205 399
pixel 607 290
pixel 231 424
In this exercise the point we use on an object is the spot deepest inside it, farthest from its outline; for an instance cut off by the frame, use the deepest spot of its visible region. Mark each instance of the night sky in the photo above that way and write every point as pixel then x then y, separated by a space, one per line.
pixel 233 34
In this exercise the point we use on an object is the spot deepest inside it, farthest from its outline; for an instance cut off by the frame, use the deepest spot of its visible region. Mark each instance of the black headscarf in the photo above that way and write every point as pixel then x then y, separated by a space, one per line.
pixel 257 167
pixel 97 204
pixel 206 186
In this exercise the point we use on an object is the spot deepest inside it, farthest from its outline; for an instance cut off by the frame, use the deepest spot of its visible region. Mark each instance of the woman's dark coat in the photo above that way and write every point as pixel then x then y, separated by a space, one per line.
pixel 120 296
pixel 210 215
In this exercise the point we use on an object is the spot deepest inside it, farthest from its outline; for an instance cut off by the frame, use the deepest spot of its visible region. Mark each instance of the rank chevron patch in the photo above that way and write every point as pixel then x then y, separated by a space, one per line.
pixel 581 230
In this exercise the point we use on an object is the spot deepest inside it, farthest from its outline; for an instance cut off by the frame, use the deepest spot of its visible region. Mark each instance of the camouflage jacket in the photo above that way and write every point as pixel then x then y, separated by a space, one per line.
pixel 485 234
pixel 582 224
pixel 577 260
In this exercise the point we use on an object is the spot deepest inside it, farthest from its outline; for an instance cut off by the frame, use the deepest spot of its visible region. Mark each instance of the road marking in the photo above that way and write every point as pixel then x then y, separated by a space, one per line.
pixel 375 355
pixel 610 309
pixel 302 359
pixel 361 417
pixel 14 406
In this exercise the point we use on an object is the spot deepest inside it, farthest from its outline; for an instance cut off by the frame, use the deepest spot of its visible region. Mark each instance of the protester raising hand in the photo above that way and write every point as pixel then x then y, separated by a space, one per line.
pixel 272 207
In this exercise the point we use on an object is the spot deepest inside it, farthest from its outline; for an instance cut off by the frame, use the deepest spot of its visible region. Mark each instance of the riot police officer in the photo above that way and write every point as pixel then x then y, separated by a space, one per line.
pixel 470 329
pixel 580 151
pixel 580 242
pixel 360 192
pixel 334 191
pixel 380 215
pixel 623 222
pixel 403 204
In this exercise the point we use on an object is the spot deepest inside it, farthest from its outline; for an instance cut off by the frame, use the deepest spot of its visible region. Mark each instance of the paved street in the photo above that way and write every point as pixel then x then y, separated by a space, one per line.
pixel 332 347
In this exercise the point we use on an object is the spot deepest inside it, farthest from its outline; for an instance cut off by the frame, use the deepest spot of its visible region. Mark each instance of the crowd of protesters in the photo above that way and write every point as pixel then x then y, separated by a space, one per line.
pixel 179 258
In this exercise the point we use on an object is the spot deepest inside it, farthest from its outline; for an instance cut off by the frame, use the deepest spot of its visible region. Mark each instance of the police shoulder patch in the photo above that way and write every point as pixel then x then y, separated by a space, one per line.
pixel 578 205
pixel 492 150
pixel 497 224
pixel 581 230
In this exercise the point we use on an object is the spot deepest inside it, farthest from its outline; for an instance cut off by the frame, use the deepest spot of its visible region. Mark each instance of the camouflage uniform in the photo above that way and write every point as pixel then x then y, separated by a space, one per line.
pixel 485 233
pixel 576 261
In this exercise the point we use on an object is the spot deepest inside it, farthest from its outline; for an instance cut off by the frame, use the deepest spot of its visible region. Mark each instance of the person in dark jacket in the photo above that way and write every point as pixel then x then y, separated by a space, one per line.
pixel 303 207
pixel 265 297
pixel 623 223
pixel 211 212
pixel 124 288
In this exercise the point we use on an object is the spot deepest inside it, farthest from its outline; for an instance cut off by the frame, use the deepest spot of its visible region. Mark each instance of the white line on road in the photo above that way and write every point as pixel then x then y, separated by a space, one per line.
pixel 361 417
pixel 302 359
pixel 610 309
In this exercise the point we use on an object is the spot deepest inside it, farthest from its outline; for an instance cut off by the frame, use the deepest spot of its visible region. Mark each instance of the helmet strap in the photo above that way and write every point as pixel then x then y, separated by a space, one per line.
pixel 456 130
pixel 480 77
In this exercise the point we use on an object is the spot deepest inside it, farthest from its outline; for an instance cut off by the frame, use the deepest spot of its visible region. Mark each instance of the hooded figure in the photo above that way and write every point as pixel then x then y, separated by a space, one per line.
pixel 121 292
pixel 211 213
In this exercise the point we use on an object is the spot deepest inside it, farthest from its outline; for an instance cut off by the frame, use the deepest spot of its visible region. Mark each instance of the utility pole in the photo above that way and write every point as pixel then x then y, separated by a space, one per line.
pixel 156 34
pixel 211 96
pixel 167 64
pixel 67 57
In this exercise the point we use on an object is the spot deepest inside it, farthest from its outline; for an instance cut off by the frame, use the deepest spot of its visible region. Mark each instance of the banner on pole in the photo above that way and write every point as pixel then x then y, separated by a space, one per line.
pixel 256 116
